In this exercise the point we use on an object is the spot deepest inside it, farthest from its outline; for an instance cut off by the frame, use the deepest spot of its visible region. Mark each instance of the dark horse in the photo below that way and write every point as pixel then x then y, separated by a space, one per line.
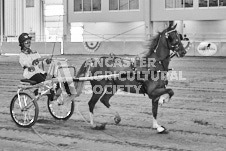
pixel 138 76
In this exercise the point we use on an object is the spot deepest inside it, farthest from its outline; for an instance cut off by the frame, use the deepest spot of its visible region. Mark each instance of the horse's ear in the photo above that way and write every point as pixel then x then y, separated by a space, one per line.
pixel 174 26
pixel 170 24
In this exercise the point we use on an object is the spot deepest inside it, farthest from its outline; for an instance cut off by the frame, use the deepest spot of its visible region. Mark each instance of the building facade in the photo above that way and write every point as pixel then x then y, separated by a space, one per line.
pixel 112 21
pixel 199 19
pixel 21 16
pixel 42 19
pixel 136 19
pixel 109 20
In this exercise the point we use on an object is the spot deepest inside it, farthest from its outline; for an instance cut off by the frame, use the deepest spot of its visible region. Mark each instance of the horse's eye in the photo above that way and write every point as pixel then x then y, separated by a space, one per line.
pixel 170 38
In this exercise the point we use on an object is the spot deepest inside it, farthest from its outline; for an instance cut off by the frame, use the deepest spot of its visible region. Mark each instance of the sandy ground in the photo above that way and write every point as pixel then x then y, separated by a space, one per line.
pixel 195 117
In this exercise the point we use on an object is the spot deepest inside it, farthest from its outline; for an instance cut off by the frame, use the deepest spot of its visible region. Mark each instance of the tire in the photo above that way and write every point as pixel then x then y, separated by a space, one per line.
pixel 60 111
pixel 28 117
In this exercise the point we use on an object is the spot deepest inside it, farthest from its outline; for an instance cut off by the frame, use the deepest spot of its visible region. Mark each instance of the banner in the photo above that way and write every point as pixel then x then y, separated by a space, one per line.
pixel 207 48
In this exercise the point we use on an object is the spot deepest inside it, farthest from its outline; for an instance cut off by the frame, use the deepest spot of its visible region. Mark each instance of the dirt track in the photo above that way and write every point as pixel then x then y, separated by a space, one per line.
pixel 195 117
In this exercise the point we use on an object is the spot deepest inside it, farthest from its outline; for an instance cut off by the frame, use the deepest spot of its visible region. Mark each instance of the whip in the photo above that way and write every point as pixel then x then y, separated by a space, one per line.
pixel 53 50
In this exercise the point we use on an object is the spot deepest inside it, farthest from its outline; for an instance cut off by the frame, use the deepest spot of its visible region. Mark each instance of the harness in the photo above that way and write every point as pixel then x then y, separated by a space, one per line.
pixel 170 47
pixel 160 62
pixel 133 62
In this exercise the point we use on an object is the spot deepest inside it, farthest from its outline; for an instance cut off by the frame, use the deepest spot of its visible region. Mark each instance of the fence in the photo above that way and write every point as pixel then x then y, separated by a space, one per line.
pixel 118 48
pixel 41 47
pixel 214 37
pixel 118 44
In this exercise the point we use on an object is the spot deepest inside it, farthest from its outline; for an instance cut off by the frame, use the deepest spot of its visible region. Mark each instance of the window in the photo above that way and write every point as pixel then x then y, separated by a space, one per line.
pixel 178 3
pixel 123 4
pixel 169 4
pixel 78 5
pixel 134 4
pixel 222 2
pixel 87 5
pixel 96 5
pixel 203 3
pixel 30 3
pixel 113 4
pixel 212 3
pixel 188 3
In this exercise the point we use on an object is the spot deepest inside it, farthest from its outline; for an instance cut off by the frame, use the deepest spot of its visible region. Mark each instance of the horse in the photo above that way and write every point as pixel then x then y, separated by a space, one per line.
pixel 155 62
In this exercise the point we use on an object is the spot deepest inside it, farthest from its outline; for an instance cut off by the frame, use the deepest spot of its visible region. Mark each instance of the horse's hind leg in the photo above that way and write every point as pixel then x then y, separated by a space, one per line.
pixel 105 100
pixel 95 97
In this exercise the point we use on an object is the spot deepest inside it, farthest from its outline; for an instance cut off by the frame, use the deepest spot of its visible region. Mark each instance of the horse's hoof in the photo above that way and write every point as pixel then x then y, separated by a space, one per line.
pixel 162 130
pixel 99 127
pixel 117 120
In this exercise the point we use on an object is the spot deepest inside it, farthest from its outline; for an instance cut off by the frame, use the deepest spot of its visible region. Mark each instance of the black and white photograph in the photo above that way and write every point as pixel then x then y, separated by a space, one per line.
pixel 107 75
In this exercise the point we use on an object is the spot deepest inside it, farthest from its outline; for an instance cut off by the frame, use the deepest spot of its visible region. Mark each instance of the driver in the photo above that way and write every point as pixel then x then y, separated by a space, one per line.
pixel 30 60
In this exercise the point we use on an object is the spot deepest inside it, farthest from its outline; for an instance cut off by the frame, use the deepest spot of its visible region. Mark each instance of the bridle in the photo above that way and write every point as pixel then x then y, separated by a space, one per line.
pixel 173 47
pixel 170 46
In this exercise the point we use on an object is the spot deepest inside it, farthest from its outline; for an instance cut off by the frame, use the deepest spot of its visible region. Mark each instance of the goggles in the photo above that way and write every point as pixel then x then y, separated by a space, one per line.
pixel 27 42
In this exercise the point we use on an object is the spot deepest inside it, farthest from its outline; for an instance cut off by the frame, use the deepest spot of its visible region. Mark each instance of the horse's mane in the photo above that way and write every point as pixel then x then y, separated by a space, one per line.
pixel 151 45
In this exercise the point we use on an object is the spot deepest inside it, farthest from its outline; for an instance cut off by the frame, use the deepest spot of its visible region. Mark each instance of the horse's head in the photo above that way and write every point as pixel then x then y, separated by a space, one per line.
pixel 173 41
pixel 161 45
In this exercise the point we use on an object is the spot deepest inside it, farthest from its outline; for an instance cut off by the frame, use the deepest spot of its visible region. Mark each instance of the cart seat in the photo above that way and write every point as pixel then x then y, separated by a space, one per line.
pixel 31 82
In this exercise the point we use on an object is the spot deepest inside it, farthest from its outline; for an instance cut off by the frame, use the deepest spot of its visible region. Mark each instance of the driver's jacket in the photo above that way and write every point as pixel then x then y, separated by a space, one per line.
pixel 26 60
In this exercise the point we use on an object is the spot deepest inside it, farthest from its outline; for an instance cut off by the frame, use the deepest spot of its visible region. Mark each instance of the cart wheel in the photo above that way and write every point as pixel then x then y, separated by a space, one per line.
pixel 24 111
pixel 60 110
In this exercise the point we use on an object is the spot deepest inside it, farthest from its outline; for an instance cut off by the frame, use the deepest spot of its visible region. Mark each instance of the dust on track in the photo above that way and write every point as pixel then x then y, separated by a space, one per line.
pixel 195 117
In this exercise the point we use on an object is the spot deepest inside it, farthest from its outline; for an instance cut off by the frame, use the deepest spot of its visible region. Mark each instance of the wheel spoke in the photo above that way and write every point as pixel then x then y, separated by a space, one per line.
pixel 61 110
pixel 24 110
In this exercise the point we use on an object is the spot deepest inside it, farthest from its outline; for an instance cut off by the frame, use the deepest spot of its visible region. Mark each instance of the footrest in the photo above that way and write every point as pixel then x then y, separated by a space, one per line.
pixel 31 82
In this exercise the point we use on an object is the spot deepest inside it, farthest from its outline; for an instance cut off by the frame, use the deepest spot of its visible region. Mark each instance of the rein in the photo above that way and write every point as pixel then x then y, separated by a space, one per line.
pixel 155 50
pixel 168 45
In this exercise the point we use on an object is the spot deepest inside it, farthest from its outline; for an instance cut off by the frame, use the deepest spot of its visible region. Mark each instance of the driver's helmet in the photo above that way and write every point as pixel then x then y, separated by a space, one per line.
pixel 23 37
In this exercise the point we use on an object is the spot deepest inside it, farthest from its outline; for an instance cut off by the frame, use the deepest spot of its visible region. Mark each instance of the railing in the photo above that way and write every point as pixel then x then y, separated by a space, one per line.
pixel 214 37
pixel 37 38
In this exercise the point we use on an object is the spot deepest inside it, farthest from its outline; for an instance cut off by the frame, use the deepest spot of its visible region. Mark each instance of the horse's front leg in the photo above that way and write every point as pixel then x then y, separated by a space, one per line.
pixel 154 113
pixel 158 95
pixel 162 95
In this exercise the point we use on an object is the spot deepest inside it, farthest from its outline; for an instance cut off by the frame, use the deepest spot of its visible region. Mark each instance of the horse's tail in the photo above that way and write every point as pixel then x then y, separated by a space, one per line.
pixel 82 72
